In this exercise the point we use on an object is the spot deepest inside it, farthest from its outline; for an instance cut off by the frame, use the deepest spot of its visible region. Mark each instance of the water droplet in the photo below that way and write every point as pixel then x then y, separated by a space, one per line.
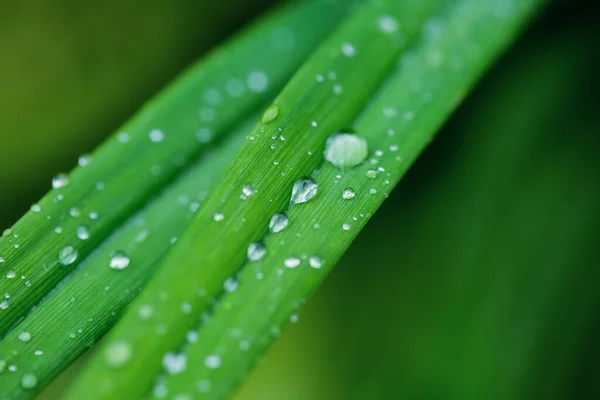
pixel 156 135
pixel 11 274
pixel 29 381
pixel 3 305
pixel 314 124
pixel 174 363
pixel 192 336
pixel 373 191
pixel 256 251
pixel 270 114
pixel 36 208
pixel 387 24
pixel 345 150
pixel 278 222
pixel 348 49
pixel 60 180
pixel 118 260
pixel 24 336
pixel 248 190
pixel 257 81
pixel 83 232
pixel 218 217
pixel 348 194
pixel 315 262
pixel 304 190
pixel 394 147
pixel 118 353
pixel 145 311
pixel 230 285
pixel 38 353
pixel 203 135
pixel 371 174
pixel 67 256
pixel 346 227
pixel 213 361
pixel 291 262
pixel 84 160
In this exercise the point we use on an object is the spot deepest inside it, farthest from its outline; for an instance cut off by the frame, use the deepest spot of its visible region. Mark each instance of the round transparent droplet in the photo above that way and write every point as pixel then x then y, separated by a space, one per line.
pixel 315 262
pixel 248 190
pixel 213 361
pixel 60 180
pixel 348 194
pixel 118 260
pixel 256 251
pixel 291 262
pixel 270 114
pixel 174 363
pixel 371 174
pixel 278 222
pixel 345 150
pixel 67 255
pixel 83 233
pixel 24 336
pixel 118 354
pixel 304 190
pixel 29 381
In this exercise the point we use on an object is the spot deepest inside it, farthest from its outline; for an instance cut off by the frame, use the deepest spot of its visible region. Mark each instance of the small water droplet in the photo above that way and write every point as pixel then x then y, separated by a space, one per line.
pixel 218 217
pixel 270 114
pixel 36 208
pixel 348 49
pixel 345 150
pixel 29 381
pixel 67 255
pixel 24 336
pixel 387 24
pixel 60 180
pixel 256 251
pixel 248 190
pixel 373 191
pixel 291 262
pixel 278 222
pixel 212 361
pixel 203 135
pixel 192 336
pixel 304 190
pixel 11 274
pixel 174 363
pixel 348 193
pixel 371 174
pixel 346 227
pixel 118 260
pixel 83 233
pixel 38 353
pixel 315 262
pixel 3 305
pixel 156 135
pixel 84 160
pixel 118 353
pixel 230 285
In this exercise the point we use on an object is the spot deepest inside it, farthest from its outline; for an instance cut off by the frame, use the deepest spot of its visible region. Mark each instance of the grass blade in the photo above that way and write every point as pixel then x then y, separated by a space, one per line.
pixel 270 290
pixel 93 298
pixel 195 270
pixel 204 104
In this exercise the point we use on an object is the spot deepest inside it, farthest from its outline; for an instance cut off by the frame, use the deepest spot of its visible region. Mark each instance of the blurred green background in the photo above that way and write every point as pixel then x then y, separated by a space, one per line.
pixel 478 278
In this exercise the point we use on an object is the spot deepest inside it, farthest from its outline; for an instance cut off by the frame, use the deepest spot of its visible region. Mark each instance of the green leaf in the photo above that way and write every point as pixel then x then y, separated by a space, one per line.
pixel 202 106
pixel 429 82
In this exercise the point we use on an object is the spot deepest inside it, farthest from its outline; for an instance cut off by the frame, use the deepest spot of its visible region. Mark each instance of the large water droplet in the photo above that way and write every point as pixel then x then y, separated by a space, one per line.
pixel 174 363
pixel 29 381
pixel 270 114
pixel 118 260
pixel 256 251
pixel 59 181
pixel 278 222
pixel 67 256
pixel 345 150
pixel 304 189
pixel 118 353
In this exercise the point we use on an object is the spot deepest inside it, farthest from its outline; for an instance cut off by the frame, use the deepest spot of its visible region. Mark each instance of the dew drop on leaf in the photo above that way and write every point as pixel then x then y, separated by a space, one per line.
pixel 371 174
pixel 174 363
pixel 230 285
pixel 60 180
pixel 304 189
pixel 278 222
pixel 387 24
pixel 256 251
pixel 24 336
pixel 83 233
pixel 218 217
pixel 118 354
pixel 212 361
pixel 29 381
pixel 345 150
pixel 315 262
pixel 67 255
pixel 291 262
pixel 270 114
pixel 348 194
pixel 118 260
pixel 248 190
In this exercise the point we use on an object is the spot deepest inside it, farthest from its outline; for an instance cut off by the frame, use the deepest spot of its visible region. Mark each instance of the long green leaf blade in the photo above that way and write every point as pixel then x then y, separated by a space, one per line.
pixel 201 106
